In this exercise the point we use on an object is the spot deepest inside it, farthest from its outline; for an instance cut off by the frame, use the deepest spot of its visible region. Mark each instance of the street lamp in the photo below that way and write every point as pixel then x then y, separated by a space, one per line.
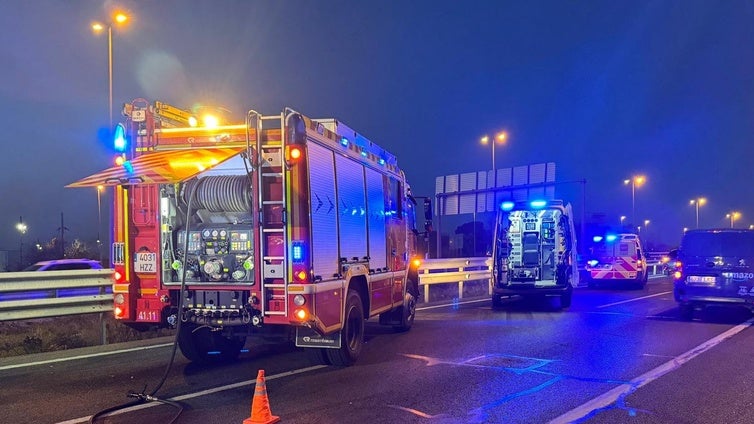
pixel 635 181
pixel 500 138
pixel 699 201
pixel 622 218
pixel 646 228
pixel 118 18
pixel 21 227
pixel 733 216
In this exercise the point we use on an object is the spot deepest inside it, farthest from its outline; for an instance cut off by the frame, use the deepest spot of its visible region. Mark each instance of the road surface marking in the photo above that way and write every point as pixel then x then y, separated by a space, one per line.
pixel 610 397
pixel 634 299
pixel 89 355
pixel 201 393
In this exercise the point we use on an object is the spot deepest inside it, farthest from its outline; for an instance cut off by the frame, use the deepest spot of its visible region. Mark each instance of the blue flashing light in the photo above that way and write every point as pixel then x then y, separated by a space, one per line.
pixel 363 153
pixel 538 204
pixel 298 251
pixel 597 239
pixel 506 206
pixel 119 138
pixel 611 237
pixel 128 167
pixel 344 142
pixel 382 162
pixel 593 262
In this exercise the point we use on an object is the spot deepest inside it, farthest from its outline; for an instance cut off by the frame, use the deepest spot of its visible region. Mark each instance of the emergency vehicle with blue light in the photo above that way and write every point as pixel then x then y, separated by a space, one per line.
pixel 276 225
pixel 617 258
pixel 534 252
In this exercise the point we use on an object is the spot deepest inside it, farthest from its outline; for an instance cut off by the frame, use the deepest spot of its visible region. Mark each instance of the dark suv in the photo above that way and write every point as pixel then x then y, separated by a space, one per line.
pixel 716 267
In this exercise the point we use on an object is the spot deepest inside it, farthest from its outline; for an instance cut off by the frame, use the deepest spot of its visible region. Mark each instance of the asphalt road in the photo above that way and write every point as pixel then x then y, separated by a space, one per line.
pixel 616 355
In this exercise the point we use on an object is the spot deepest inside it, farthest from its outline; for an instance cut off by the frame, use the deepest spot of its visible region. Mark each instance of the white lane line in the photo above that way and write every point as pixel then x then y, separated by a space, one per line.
pixel 635 299
pixel 612 396
pixel 89 355
pixel 202 393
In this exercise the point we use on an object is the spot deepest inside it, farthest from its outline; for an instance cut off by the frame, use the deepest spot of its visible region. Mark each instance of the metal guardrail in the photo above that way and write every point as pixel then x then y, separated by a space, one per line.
pixel 461 270
pixel 454 270
pixel 29 295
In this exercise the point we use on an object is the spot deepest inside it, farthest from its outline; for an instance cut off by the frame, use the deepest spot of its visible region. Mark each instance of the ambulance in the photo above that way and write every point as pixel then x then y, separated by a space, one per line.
pixel 617 258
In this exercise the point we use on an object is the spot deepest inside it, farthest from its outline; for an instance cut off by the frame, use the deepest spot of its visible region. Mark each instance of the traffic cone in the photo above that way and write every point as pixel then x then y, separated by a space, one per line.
pixel 260 405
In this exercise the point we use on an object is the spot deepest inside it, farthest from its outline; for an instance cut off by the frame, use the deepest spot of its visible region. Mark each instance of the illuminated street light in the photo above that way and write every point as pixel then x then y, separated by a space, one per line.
pixel 699 201
pixel 646 229
pixel 635 181
pixel 21 227
pixel 733 216
pixel 500 138
pixel 118 18
pixel 622 218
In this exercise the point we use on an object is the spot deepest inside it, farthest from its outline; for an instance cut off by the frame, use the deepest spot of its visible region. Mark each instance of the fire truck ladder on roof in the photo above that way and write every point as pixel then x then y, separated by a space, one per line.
pixel 272 212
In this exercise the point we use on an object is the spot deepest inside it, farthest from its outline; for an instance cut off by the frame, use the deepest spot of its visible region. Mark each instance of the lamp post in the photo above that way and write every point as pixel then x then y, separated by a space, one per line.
pixel 21 227
pixel 733 216
pixel 501 138
pixel 636 180
pixel 646 229
pixel 622 218
pixel 699 201
pixel 118 18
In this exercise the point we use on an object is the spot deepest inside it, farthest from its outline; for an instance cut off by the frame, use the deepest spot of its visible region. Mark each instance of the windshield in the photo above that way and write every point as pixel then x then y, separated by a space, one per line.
pixel 718 244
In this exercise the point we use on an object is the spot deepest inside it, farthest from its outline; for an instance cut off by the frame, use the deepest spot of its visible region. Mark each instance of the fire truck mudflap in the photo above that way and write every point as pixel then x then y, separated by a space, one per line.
pixel 279 226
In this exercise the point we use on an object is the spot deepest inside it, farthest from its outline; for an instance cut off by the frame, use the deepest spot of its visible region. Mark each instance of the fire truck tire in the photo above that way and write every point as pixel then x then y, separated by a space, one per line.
pixel 565 299
pixel 408 313
pixel 352 333
pixel 317 356
pixel 201 345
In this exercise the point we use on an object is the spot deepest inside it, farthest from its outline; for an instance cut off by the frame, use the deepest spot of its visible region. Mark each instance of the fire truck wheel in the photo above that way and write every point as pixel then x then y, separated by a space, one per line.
pixel 201 345
pixel 408 313
pixel 352 333
pixel 317 356
pixel 565 299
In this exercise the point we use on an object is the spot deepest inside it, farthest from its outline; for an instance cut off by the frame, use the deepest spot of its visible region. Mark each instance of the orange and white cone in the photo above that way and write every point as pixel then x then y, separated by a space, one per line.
pixel 260 405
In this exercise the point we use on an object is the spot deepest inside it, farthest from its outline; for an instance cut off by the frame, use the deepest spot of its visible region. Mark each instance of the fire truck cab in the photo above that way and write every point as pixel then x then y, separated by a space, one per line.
pixel 278 225
pixel 534 252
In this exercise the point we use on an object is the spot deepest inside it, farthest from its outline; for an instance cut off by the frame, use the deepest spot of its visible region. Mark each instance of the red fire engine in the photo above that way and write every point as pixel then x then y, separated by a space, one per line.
pixel 279 225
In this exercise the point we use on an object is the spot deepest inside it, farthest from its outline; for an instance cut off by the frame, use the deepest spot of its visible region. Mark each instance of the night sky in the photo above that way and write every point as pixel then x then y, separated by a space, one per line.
pixel 605 89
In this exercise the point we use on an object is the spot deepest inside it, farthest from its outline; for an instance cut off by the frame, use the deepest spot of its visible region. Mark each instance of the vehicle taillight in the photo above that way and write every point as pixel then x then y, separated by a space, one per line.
pixel 301 314
pixel 293 154
pixel 118 311
pixel 119 275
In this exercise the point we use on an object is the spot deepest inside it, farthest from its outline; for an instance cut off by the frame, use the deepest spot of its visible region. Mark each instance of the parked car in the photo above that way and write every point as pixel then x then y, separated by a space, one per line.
pixel 64 264
pixel 716 268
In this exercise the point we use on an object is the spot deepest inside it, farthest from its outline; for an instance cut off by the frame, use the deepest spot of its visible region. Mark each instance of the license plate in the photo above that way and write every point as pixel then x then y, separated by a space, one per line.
pixel 146 262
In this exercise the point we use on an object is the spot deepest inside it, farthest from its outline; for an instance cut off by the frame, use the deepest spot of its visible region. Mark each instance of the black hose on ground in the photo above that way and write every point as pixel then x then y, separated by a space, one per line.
pixel 142 397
